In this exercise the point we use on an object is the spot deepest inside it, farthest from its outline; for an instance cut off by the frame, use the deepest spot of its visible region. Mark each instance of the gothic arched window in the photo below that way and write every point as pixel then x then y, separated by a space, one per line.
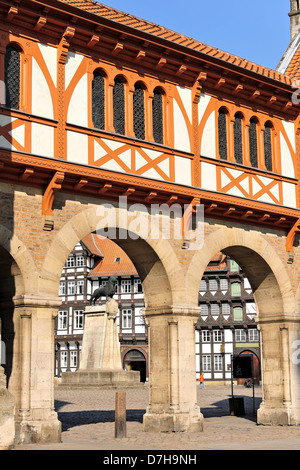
pixel 98 101
pixel 139 112
pixel 157 116
pixel 119 106
pixel 268 151
pixel 253 142
pixel 222 132
pixel 238 138
pixel 12 77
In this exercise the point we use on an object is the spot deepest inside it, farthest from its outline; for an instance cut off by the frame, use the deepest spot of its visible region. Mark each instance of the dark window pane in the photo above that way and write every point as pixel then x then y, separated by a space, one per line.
pixel 253 143
pixel 12 77
pixel 222 129
pixel 157 113
pixel 98 101
pixel 238 139
pixel 139 113
pixel 268 148
pixel 119 107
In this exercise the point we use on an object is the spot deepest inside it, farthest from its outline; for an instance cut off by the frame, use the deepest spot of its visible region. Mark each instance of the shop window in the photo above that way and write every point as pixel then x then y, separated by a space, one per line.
pixel 139 112
pixel 98 101
pixel 157 116
pixel 12 77
pixel 222 132
pixel 119 106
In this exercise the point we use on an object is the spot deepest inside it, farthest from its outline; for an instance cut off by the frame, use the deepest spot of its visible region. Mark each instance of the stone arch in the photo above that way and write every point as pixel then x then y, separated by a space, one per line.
pixel 155 260
pixel 251 251
pixel 277 317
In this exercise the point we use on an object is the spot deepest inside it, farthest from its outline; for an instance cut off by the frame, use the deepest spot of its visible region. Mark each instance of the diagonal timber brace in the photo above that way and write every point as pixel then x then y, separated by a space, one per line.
pixel 48 199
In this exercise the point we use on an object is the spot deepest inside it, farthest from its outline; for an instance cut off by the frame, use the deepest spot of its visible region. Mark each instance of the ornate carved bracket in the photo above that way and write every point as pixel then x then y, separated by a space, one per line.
pixel 65 44
pixel 290 240
pixel 198 86
pixel 48 199
pixel 186 221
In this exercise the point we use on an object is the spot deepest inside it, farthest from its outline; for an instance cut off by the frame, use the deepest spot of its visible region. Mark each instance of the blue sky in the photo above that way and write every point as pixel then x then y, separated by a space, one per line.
pixel 257 30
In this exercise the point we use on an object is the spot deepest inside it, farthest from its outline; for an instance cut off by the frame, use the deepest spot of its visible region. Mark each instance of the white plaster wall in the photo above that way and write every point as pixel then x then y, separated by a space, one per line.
pixel 77 147
pixel 186 97
pixel 42 142
pixel 183 171
pixel 289 194
pixel 208 176
pixel 202 105
pixel 72 63
pixel 181 135
pixel 78 112
pixel 208 143
pixel 290 130
pixel 42 104
pixel 49 54
pixel 287 165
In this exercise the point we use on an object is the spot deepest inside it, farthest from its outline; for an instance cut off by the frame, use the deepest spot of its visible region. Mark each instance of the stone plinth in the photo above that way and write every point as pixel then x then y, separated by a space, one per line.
pixel 101 364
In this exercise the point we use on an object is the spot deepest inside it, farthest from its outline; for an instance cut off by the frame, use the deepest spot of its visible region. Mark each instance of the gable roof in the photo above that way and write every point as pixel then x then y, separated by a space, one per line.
pixel 110 252
pixel 164 33
pixel 290 62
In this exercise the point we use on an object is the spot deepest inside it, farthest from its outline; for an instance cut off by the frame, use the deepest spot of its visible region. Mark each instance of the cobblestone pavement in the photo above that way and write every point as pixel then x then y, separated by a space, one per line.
pixel 87 418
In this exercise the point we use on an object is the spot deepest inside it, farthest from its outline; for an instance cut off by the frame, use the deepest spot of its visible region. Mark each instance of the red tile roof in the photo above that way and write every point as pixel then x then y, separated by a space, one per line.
pixel 162 32
pixel 109 252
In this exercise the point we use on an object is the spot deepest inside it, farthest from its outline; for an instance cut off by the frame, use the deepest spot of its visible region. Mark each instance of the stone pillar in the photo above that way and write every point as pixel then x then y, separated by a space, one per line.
pixel 36 420
pixel 173 395
pixel 7 420
pixel 280 371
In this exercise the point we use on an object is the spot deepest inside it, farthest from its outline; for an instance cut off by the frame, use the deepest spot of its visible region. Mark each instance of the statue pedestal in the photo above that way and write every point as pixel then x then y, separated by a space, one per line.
pixel 100 364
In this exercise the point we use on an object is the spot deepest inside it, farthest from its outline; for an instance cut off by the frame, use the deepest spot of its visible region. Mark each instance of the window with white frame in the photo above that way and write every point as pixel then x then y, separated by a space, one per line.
pixel 62 320
pixel 217 336
pixel 203 286
pixel 253 334
pixel 215 309
pixel 206 363
pixel 126 318
pixel 138 286
pixel 80 287
pixel 225 309
pixel 213 285
pixel 63 358
pixel 73 358
pixel 206 335
pixel 125 286
pixel 218 362
pixel 78 319
pixel 204 309
pixel 70 262
pixel 240 336
pixel 71 287
pixel 79 261
pixel 224 284
pixel 62 288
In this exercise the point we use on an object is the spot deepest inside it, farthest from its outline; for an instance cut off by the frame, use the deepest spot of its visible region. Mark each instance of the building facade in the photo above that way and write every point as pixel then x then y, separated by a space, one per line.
pixel 226 325
pixel 180 122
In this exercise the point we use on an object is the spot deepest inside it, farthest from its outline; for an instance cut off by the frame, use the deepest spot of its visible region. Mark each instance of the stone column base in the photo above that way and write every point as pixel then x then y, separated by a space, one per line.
pixel 283 416
pixel 173 422
pixel 38 432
